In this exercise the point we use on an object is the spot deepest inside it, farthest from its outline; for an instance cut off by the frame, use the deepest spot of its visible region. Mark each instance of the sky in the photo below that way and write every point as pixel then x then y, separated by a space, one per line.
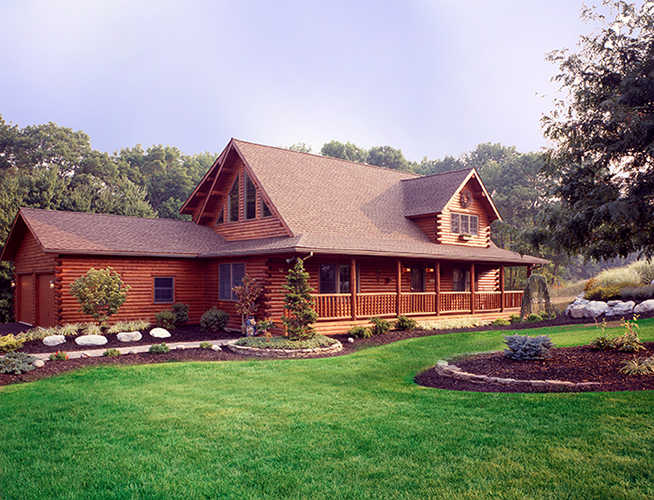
pixel 433 78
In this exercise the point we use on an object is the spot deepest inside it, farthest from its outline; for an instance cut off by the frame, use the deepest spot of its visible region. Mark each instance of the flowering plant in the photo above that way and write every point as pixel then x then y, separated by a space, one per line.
pixel 58 356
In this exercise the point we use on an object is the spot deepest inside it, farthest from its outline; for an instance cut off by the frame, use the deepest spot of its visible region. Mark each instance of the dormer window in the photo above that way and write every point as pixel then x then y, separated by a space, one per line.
pixel 233 202
pixel 250 198
pixel 464 224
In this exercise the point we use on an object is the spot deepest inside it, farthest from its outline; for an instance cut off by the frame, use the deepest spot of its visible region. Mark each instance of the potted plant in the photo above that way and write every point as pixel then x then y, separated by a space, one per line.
pixel 466 236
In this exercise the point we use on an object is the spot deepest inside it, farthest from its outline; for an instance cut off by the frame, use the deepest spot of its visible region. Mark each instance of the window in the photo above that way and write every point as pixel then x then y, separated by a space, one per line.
pixel 229 276
pixel 460 280
pixel 233 202
pixel 265 209
pixel 164 290
pixel 464 224
pixel 221 218
pixel 417 279
pixel 250 198
pixel 334 278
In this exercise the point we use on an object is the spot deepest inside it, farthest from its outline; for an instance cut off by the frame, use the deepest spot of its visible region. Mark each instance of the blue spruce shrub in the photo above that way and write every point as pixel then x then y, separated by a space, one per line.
pixel 524 347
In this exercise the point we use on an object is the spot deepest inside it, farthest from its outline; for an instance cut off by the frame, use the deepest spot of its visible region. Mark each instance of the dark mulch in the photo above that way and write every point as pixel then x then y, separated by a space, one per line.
pixel 429 378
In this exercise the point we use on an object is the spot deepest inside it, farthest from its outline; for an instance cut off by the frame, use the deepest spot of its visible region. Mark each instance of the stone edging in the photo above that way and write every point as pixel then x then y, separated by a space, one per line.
pixel 285 353
pixel 444 368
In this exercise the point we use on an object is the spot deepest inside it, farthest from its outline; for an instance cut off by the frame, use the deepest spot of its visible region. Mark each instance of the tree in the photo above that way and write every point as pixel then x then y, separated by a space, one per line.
pixel 100 292
pixel 601 164
pixel 247 295
pixel 347 151
pixel 298 304
pixel 300 147
pixel 386 156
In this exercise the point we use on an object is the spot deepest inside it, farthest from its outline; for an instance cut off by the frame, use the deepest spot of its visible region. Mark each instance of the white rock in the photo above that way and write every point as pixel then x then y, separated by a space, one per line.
pixel 129 336
pixel 578 311
pixel 350 340
pixel 160 333
pixel 131 351
pixel 596 308
pixel 644 307
pixel 53 340
pixel 216 348
pixel 621 308
pixel 39 363
pixel 91 340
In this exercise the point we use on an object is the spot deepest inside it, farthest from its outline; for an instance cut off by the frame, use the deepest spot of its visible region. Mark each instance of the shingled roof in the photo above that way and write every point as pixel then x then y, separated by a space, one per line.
pixel 88 233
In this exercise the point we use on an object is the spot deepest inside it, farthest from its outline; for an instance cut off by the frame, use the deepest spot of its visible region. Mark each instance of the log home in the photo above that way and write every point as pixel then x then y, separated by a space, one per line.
pixel 376 242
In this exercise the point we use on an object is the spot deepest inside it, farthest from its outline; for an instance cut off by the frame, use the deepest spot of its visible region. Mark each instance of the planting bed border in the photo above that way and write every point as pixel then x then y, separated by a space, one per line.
pixel 444 368
pixel 285 353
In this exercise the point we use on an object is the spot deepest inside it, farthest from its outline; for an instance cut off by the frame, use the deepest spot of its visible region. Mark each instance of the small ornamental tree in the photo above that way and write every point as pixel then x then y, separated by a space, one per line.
pixel 536 292
pixel 298 304
pixel 100 292
pixel 247 294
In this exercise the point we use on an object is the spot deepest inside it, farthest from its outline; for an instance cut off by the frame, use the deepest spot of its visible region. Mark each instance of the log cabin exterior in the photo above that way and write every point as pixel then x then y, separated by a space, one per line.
pixel 376 242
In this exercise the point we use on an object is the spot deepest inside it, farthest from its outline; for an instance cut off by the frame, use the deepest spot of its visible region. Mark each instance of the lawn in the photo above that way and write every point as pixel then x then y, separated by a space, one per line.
pixel 353 427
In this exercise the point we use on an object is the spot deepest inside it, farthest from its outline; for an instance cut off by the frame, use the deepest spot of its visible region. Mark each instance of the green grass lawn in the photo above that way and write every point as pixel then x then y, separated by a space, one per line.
pixel 354 427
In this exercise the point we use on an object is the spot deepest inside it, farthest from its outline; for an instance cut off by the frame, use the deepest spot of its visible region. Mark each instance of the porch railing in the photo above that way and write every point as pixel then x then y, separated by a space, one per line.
pixel 339 305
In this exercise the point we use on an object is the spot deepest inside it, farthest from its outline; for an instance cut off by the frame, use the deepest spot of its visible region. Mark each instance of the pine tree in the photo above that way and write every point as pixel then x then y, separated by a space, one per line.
pixel 298 304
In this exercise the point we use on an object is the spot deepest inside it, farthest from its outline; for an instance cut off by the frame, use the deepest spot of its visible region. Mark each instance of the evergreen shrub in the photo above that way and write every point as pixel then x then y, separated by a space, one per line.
pixel 8 343
pixel 165 319
pixel 17 363
pixel 526 348
pixel 405 323
pixel 380 326
pixel 214 320
pixel 359 332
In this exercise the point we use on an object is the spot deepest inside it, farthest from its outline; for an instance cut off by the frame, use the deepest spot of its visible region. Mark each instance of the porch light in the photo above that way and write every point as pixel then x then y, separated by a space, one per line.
pixel 430 269
pixel 51 284
pixel 13 283
pixel 406 269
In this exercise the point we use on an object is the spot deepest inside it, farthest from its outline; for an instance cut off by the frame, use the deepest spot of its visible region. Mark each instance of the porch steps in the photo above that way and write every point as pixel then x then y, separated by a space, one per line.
pixel 339 327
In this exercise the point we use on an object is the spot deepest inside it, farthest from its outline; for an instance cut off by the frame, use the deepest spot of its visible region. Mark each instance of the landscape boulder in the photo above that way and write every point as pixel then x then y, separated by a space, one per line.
pixel 619 308
pixel 39 363
pixel 160 333
pixel 644 307
pixel 129 336
pixel 91 340
pixel 596 308
pixel 54 340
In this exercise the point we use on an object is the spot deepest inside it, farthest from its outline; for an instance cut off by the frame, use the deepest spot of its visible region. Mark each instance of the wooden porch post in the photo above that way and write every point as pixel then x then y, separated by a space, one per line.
pixel 398 288
pixel 353 288
pixel 437 270
pixel 472 288
pixel 502 287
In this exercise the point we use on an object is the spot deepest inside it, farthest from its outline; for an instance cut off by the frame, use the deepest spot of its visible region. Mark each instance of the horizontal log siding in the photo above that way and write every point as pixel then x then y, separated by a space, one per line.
pixel 138 273
pixel 476 208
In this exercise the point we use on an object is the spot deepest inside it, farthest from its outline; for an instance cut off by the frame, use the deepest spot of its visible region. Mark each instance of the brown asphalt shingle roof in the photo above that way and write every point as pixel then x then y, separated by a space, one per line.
pixel 88 233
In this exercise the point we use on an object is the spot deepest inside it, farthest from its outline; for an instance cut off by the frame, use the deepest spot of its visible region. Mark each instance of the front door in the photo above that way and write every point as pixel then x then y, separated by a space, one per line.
pixel 46 304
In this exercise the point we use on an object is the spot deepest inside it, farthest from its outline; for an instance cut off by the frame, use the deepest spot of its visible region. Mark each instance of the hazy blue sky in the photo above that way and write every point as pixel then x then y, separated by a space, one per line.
pixel 430 77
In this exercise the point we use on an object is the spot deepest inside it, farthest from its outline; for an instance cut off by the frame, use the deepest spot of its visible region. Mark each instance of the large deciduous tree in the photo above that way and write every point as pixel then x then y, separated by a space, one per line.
pixel 602 159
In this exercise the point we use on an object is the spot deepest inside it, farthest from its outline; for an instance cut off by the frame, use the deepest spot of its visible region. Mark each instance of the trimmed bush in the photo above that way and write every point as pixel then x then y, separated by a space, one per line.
pixel 637 293
pixel 159 348
pixel 181 313
pixel 380 326
pixel 111 353
pixel 515 318
pixel 9 343
pixel 604 293
pixel 165 319
pixel 405 323
pixel 533 318
pixel 17 363
pixel 501 322
pixel 214 320
pixel 526 348
pixel 359 332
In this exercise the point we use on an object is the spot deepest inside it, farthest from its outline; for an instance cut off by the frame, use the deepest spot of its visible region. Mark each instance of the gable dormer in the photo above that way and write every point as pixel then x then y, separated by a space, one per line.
pixel 451 208
pixel 231 200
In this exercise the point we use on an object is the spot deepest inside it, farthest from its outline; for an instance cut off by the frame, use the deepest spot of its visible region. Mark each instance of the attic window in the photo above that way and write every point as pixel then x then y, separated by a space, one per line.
pixel 221 218
pixel 233 202
pixel 250 198
pixel 265 209
pixel 464 224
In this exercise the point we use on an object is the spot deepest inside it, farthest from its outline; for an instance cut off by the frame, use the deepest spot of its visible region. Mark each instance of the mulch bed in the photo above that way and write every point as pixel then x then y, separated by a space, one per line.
pixel 570 364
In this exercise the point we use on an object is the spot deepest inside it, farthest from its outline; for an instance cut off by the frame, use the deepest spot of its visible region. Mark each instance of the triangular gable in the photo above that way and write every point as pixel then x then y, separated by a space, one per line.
pixel 206 201
pixel 431 194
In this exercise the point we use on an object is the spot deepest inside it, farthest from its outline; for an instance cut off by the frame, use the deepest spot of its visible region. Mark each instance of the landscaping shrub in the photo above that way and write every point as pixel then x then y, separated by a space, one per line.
pixel 611 292
pixel 9 343
pixel 111 353
pixel 100 293
pixel 286 343
pixel 181 313
pixel 629 340
pixel 501 322
pixel 17 363
pixel 58 356
pixel 69 329
pixel 359 332
pixel 380 326
pixel 405 323
pixel 515 318
pixel 165 319
pixel 637 293
pixel 533 318
pixel 214 320
pixel 603 343
pixel 159 348
pixel 91 329
pixel 206 345
pixel 644 366
pixel 298 304
pixel 525 348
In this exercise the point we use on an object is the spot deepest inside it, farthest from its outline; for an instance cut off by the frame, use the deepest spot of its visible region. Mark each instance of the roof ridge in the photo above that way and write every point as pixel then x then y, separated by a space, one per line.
pixel 386 169
pixel 467 169
pixel 100 214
